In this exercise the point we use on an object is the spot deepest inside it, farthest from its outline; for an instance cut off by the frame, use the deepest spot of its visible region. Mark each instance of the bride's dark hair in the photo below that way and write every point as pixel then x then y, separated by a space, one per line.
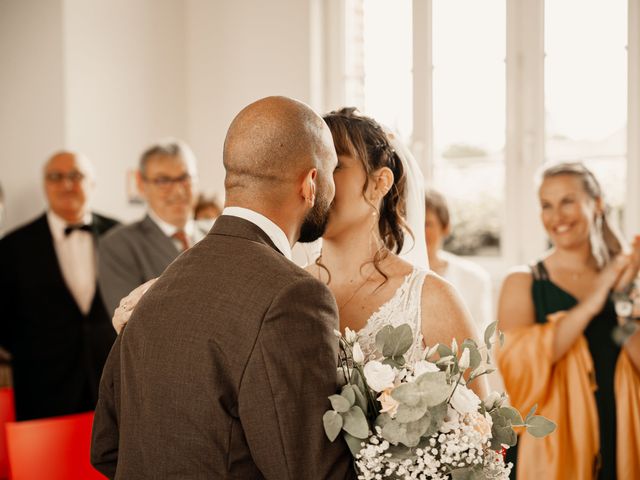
pixel 363 138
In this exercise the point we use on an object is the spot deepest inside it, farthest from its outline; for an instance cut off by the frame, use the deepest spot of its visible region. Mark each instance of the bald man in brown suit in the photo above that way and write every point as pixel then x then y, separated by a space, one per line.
pixel 224 369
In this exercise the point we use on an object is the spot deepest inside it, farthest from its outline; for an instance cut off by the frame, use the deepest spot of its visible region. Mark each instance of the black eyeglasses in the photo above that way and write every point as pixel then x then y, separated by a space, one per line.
pixel 165 183
pixel 59 177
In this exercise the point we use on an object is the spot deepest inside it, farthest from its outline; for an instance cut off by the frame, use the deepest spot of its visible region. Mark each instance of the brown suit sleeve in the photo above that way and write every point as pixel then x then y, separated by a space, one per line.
pixel 283 392
pixel 105 434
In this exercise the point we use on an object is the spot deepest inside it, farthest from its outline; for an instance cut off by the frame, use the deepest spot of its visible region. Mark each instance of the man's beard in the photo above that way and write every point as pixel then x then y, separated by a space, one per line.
pixel 315 223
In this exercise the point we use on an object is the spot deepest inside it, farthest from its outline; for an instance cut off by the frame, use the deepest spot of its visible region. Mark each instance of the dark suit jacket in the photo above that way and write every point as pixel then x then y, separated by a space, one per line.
pixel 224 370
pixel 129 256
pixel 58 353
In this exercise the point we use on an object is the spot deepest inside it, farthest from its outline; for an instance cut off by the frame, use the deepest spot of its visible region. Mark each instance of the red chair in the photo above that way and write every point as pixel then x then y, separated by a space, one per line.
pixel 52 448
pixel 7 414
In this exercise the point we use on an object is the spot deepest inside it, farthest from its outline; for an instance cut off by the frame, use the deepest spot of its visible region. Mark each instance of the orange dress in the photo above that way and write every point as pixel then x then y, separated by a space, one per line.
pixel 564 393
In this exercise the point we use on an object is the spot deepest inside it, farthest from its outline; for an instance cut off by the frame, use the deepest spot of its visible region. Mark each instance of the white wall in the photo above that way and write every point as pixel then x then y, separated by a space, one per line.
pixel 108 77
pixel 31 101
pixel 237 52
pixel 125 86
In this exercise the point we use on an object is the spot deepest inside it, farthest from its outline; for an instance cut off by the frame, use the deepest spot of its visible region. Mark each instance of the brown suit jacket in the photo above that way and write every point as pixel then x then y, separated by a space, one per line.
pixel 224 370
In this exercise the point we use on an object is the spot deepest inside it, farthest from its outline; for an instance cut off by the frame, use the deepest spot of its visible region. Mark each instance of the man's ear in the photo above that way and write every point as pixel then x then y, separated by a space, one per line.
pixel 140 184
pixel 382 182
pixel 308 187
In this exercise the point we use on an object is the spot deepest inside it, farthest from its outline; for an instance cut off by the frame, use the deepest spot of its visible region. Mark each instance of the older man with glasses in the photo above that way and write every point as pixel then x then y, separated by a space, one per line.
pixel 53 320
pixel 135 253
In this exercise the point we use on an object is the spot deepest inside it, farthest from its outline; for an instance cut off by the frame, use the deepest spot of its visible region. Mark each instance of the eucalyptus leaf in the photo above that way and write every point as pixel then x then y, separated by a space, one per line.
pixel 539 426
pixel 512 415
pixel 444 351
pixel 339 403
pixel 415 430
pixel 332 422
pixel 531 412
pixel 349 394
pixel 354 444
pixel 398 341
pixel 361 400
pixel 411 413
pixel 475 358
pixel 437 414
pixel 505 435
pixel 469 342
pixel 396 362
pixel 409 394
pixel 394 432
pixel 433 387
pixel 355 423
pixel 488 334
pixel 382 336
pixel 501 337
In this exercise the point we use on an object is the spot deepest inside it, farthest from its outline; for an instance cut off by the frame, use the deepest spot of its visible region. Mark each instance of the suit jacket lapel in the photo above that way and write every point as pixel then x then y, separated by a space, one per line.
pixel 239 227
pixel 157 239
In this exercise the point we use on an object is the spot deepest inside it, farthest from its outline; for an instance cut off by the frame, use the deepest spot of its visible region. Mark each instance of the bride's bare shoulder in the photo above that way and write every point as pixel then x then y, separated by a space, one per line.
pixel 437 292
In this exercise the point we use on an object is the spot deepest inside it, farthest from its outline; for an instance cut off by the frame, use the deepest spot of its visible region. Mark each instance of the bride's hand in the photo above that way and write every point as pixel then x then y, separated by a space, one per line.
pixel 127 304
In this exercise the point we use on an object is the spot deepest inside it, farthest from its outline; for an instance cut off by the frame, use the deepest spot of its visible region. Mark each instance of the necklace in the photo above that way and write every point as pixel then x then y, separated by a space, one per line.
pixel 364 282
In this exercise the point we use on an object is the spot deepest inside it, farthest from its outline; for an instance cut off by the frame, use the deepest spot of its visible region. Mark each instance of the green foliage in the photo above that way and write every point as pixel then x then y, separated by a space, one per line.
pixel 355 423
pixel 332 424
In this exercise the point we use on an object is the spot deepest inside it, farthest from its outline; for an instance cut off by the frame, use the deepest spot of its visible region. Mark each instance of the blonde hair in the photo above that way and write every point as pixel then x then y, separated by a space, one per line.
pixel 606 241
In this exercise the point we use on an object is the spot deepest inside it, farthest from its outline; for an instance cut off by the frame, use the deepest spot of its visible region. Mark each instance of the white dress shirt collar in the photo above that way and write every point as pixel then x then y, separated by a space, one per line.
pixel 57 224
pixel 168 229
pixel 274 232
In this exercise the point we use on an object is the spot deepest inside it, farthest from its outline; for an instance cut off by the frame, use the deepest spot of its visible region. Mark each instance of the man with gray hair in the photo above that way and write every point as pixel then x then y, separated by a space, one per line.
pixel 53 321
pixel 135 253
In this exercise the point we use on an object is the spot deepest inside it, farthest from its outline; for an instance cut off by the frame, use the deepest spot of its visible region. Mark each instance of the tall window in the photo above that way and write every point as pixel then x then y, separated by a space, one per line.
pixel 586 88
pixel 469 119
pixel 378 61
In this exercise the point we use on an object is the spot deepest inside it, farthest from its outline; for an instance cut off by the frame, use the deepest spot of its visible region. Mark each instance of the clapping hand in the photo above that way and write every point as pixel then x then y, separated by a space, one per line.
pixel 631 271
pixel 127 304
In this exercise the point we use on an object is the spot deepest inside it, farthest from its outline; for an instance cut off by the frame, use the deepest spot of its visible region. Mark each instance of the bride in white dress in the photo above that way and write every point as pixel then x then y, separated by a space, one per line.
pixel 372 284
pixel 377 270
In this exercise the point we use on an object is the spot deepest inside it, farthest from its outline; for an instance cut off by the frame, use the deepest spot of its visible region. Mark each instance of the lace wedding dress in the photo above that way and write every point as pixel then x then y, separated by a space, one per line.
pixel 403 307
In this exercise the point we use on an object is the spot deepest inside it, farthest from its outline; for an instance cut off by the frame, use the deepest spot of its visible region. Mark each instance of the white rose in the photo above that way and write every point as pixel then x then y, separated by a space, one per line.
pixel 423 367
pixel 358 356
pixel 464 400
pixel 379 377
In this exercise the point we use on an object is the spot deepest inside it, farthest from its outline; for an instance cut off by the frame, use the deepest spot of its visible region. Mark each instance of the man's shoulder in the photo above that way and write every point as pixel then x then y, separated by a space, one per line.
pixel 32 229
pixel 127 233
pixel 104 223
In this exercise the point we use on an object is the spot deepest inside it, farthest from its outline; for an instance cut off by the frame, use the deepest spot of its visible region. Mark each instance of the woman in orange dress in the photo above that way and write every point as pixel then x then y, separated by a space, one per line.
pixel 559 352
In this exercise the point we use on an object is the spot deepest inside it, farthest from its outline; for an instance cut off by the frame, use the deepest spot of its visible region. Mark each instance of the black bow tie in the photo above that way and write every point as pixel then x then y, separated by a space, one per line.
pixel 78 226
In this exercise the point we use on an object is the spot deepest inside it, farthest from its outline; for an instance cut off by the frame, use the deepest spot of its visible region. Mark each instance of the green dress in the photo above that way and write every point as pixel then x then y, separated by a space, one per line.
pixel 550 298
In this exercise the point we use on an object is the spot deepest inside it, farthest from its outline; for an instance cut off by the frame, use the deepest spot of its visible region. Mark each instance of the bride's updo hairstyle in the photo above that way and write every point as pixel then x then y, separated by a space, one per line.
pixel 606 242
pixel 364 139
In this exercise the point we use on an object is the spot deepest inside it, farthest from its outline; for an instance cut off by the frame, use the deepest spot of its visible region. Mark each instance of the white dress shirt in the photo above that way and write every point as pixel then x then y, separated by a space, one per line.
pixel 170 230
pixel 274 232
pixel 76 254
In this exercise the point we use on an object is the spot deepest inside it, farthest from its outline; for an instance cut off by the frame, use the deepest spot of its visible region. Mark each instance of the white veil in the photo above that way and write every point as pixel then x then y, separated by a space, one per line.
pixel 414 249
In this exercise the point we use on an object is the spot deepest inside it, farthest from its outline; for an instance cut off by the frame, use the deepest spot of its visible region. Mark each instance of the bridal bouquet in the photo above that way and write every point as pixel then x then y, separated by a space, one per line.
pixel 421 420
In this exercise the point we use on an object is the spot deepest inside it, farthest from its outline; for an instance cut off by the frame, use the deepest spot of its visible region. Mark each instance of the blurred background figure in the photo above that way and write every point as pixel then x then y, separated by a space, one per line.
pixel 206 211
pixel 559 351
pixel 207 207
pixel 54 323
pixel 471 280
pixel 135 253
